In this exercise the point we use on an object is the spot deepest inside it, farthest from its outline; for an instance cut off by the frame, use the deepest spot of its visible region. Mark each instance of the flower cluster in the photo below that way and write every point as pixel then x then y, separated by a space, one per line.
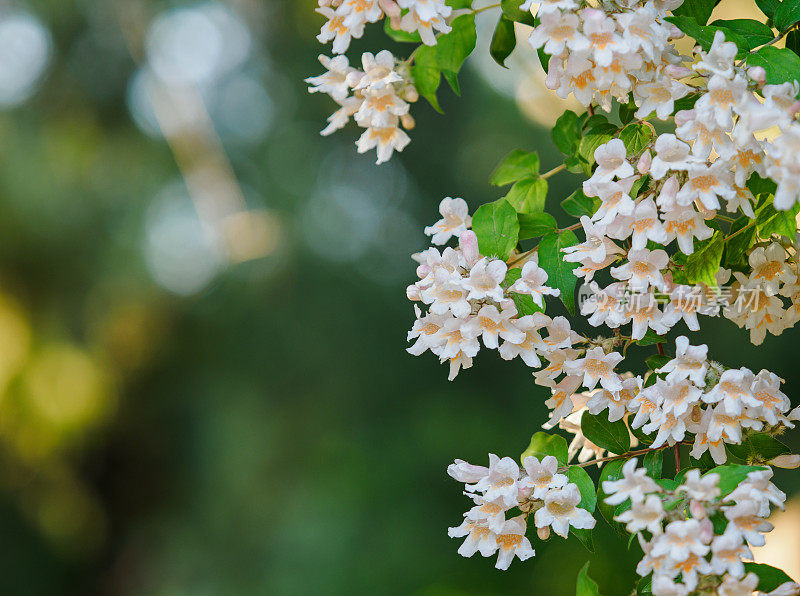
pixel 538 488
pixel 604 53
pixel 467 299
pixel 694 537
pixel 347 19
pixel 381 94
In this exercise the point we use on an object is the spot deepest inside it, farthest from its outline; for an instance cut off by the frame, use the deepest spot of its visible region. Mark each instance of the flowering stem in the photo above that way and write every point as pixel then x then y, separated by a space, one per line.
pixel 677 451
pixel 660 347
pixel 553 172
pixel 627 455
pixel 527 254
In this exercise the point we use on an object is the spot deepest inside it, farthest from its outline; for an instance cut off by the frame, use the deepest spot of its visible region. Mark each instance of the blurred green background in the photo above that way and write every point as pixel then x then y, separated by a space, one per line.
pixel 203 382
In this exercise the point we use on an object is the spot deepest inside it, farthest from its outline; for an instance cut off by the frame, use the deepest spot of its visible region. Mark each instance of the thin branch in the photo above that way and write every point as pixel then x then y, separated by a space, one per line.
pixel 553 172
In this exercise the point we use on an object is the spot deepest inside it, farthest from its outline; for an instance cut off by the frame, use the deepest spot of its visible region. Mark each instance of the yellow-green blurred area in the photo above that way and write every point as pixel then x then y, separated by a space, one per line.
pixel 203 382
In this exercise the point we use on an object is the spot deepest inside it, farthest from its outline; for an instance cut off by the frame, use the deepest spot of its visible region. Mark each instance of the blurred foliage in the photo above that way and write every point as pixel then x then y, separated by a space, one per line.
pixel 267 433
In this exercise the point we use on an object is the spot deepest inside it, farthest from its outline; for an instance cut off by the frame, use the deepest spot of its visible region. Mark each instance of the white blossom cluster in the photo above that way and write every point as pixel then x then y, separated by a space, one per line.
pixel 538 488
pixel 676 533
pixel 377 98
pixel 347 19
pixel 466 301
pixel 604 53
pixel 690 394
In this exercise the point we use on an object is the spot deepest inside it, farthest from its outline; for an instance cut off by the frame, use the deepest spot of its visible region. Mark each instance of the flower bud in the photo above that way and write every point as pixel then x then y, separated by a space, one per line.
pixel 408 121
pixel 543 533
pixel 684 116
pixel 412 293
pixel 410 93
pixel 677 72
pixel 697 510
pixel 706 530
pixel 794 108
pixel 757 74
pixel 644 163
pixel 788 461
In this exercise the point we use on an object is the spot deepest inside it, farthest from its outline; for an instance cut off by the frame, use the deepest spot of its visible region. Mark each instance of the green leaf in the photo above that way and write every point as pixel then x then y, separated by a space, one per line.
pixel 533 225
pixel 650 338
pixel 459 3
pixel 559 272
pixel 731 475
pixel 759 448
pixel 736 247
pixel 512 12
pixel 452 80
pixel 653 461
pixel 769 578
pixel 788 14
pixel 524 302
pixel 612 436
pixel 452 49
pixel 402 36
pixel 528 196
pixel 586 586
pixel 768 7
pixel 704 34
pixel 543 444
pixel 497 228
pixel 636 137
pixel 627 112
pixel 793 41
pixel 514 167
pixel 567 133
pixel 578 204
pixel 611 472
pixel 702 265
pixel 645 586
pixel 544 59
pixel 577 475
pixel 782 64
pixel 504 40
pixel 700 10
pixel 770 221
pixel 427 75
pixel 754 32
pixel 593 138
pixel 657 361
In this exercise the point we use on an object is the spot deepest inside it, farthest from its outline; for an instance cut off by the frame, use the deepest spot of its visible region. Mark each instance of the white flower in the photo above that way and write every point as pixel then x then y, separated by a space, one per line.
pixel 733 390
pixel 769 267
pixel 681 539
pixel 386 140
pixel 380 109
pixel 732 586
pixel 379 72
pixel 645 225
pixel 612 161
pixel 719 59
pixel 596 247
pixel 705 184
pixel 633 485
pixel 757 487
pixel 665 586
pixel 643 269
pixel 543 476
pixel 727 552
pixel 446 293
pixel 532 282
pixel 745 518
pixel 684 301
pixel 560 511
pixel 527 348
pixel 455 221
pixel 488 513
pixel 501 481
pixel 685 224
pixel 700 488
pixel 603 37
pixel 561 402
pixel 335 29
pixel 491 324
pixel 334 82
pixel 479 538
pixel 485 278
pixel 597 366
pixel 659 96
pixel 643 515
pixel 557 31
pixel 689 363
pixel 511 542
pixel 425 16
pixel 466 472
pixel 614 196
pixel 716 105
pixel 671 154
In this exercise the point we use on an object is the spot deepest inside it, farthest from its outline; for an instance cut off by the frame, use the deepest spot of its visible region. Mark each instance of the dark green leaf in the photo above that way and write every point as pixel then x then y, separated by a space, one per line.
pixel 650 338
pixel 699 10
pixel 657 361
pixel 759 448
pixel 586 586
pixel 741 242
pixel 559 272
pixel 567 133
pixel 514 167
pixel 788 14
pixel 497 228
pixel 528 196
pixel 703 264
pixel 704 34
pixel 544 59
pixel 533 225
pixel 627 111
pixel 636 137
pixel 768 7
pixel 578 204
pixel 427 75
pixel 731 475
pixel 593 138
pixel 612 436
pixel 645 586
pixel 754 32
pixel 452 80
pixel 512 12
pixel 577 475
pixel 654 461
pixel 452 49
pixel 782 64
pixel 504 41
pixel 793 41
pixel 770 221
pixel 543 444
pixel 611 472
pixel 769 578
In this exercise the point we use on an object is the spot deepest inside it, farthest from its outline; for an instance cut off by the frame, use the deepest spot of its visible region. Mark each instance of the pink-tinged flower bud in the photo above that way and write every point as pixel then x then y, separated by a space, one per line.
pixel 677 72
pixel 390 7
pixel 788 461
pixel 408 121
pixel 757 74
pixel 468 243
pixel 684 116
pixel 553 79
pixel 697 510
pixel 523 492
pixel 423 271
pixel 543 533
pixel 592 13
pixel 644 163
pixel 794 108
pixel 706 530
pixel 412 293
pixel 410 93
